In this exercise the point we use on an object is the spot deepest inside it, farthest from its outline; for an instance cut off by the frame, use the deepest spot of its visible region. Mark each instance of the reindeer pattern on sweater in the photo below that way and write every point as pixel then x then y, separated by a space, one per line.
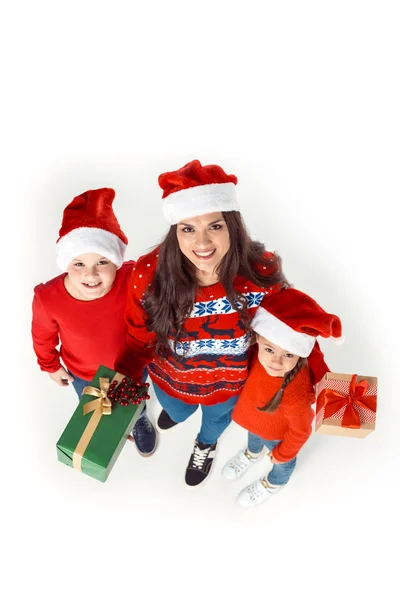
pixel 211 365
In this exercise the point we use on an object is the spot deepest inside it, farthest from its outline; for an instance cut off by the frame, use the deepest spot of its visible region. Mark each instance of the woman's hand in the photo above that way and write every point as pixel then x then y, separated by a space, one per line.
pixel 61 377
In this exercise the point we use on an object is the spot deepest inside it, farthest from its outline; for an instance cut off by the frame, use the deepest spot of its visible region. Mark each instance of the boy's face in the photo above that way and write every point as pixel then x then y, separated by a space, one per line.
pixel 90 276
pixel 275 360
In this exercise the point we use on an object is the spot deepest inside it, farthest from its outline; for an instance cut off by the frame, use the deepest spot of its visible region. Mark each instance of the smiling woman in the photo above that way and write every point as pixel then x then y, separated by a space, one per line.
pixel 190 303
pixel 205 244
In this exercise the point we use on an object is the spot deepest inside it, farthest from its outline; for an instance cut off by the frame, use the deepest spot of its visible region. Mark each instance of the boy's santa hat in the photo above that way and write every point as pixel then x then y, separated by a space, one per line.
pixel 292 320
pixel 195 190
pixel 90 225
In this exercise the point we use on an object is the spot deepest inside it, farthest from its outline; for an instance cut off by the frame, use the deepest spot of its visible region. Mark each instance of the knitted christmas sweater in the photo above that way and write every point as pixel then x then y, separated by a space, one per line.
pixel 291 422
pixel 211 365
pixel 91 332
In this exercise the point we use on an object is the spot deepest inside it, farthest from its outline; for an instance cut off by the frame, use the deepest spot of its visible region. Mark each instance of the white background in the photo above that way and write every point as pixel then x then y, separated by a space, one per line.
pixel 300 100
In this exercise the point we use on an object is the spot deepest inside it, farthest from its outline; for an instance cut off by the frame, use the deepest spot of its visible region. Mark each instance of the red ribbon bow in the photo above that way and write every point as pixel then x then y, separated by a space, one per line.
pixel 334 401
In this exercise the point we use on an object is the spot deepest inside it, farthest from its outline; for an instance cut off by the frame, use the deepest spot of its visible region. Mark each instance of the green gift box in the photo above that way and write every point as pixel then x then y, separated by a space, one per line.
pixel 92 442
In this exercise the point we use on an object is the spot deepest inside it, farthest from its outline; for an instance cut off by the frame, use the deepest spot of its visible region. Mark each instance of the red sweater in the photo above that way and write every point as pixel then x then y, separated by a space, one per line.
pixel 215 365
pixel 90 332
pixel 291 422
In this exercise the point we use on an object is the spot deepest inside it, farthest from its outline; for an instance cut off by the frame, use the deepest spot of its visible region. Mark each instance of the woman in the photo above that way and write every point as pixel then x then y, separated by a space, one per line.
pixel 190 303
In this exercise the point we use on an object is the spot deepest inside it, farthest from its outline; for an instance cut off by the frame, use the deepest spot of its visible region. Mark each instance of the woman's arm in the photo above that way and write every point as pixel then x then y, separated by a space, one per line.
pixel 139 347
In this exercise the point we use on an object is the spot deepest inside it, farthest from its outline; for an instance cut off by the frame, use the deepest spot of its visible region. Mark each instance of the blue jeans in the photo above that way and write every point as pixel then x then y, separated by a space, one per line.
pixel 280 474
pixel 215 418
pixel 79 384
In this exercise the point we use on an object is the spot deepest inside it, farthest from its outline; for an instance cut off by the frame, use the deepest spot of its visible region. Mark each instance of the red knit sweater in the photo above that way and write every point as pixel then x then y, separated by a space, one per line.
pixel 291 422
pixel 215 365
pixel 91 332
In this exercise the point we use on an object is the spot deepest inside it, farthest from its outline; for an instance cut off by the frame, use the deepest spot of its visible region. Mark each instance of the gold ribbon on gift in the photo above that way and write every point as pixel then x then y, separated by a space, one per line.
pixel 99 407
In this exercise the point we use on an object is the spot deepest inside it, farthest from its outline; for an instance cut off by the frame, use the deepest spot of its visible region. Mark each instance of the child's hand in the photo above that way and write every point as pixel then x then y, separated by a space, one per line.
pixel 274 461
pixel 61 377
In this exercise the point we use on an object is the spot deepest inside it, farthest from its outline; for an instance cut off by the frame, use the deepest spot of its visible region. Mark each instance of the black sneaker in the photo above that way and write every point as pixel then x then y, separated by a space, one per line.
pixel 200 463
pixel 145 436
pixel 165 421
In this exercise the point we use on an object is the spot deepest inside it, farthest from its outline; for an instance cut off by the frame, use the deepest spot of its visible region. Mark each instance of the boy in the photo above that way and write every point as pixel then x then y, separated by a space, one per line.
pixel 83 309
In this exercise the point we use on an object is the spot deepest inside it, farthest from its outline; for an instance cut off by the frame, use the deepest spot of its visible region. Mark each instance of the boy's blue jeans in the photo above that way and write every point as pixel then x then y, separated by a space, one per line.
pixel 79 384
pixel 215 418
pixel 280 474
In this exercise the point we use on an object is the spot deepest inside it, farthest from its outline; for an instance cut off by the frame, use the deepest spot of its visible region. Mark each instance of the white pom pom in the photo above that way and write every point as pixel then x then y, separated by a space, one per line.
pixel 340 340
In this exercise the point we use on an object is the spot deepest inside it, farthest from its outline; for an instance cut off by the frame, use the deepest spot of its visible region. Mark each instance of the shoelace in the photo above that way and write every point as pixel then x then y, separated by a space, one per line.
pixel 144 424
pixel 254 492
pixel 200 456
pixel 238 464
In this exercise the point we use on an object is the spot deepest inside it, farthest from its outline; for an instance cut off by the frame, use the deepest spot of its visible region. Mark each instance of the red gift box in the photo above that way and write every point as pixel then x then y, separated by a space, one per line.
pixel 346 405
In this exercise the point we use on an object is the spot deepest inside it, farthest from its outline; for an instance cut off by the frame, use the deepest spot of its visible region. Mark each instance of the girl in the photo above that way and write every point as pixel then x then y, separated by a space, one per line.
pixel 275 404
pixel 190 302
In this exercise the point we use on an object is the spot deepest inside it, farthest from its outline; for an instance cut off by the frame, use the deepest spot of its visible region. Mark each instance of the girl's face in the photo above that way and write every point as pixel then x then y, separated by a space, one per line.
pixel 275 360
pixel 90 276
pixel 204 241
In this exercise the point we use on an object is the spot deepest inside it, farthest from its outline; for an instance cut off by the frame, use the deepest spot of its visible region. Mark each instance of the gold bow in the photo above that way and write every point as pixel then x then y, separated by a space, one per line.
pixel 99 407
pixel 103 402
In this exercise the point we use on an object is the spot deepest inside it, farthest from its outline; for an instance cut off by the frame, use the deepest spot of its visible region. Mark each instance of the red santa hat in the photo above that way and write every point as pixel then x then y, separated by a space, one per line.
pixel 195 190
pixel 90 225
pixel 293 320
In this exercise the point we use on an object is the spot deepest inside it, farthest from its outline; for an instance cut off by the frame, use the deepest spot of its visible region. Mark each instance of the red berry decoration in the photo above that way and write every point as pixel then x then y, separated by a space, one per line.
pixel 128 392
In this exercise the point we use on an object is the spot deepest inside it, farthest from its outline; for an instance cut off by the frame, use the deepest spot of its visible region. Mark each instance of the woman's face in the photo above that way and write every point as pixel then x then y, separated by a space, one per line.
pixel 204 241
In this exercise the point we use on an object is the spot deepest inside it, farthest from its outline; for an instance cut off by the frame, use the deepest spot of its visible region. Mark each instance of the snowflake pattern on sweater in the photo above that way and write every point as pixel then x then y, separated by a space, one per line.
pixel 208 367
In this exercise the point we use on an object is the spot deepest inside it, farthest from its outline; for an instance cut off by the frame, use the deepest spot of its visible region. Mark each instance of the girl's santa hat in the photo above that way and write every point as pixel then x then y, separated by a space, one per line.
pixel 195 190
pixel 90 225
pixel 293 320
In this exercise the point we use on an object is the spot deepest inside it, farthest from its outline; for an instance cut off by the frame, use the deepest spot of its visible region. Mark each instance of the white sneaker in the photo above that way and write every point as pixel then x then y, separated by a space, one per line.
pixel 257 493
pixel 239 464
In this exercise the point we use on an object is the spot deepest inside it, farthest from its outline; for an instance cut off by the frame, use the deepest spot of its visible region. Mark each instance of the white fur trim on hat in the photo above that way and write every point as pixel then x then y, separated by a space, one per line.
pixel 200 200
pixel 85 240
pixel 277 332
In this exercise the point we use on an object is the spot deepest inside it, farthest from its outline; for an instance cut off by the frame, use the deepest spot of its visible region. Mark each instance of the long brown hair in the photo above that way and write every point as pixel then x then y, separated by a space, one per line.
pixel 171 296
pixel 274 402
